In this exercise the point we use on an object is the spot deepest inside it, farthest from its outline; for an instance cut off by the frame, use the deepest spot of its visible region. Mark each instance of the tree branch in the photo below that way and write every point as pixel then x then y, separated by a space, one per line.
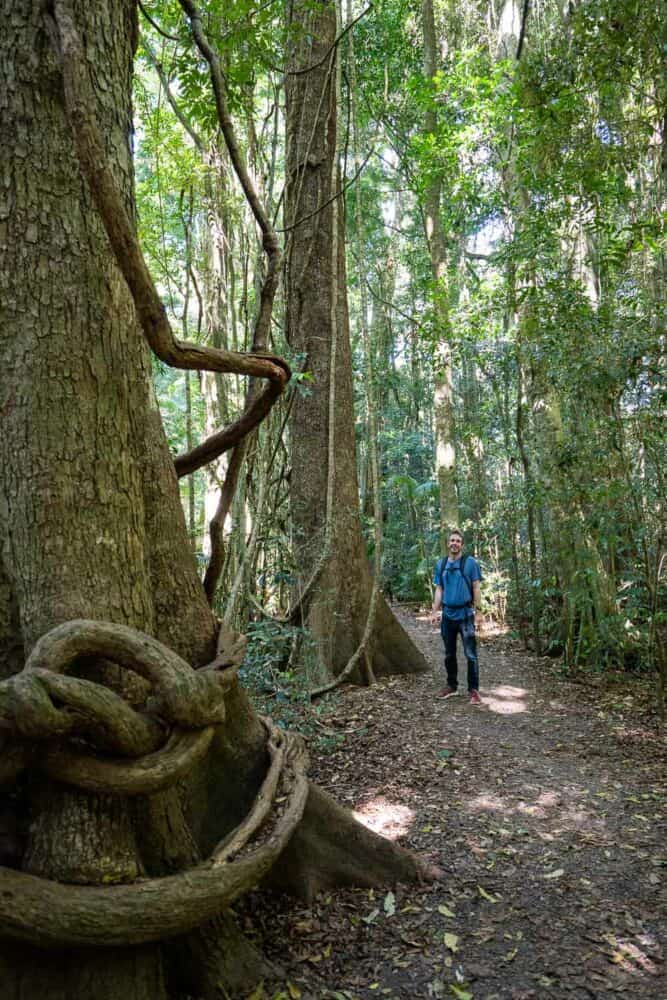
pixel 154 24
pixel 185 122
pixel 339 37
pixel 522 33
pixel 120 230
pixel 334 197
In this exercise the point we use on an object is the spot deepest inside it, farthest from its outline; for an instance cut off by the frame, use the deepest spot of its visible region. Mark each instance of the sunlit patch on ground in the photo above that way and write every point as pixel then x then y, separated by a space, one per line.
pixel 490 803
pixel 390 819
pixel 548 799
pixel 547 804
pixel 631 956
pixel 505 699
pixel 540 808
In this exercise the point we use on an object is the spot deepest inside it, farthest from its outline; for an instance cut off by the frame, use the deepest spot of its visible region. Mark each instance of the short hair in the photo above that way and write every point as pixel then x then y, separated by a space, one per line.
pixel 455 531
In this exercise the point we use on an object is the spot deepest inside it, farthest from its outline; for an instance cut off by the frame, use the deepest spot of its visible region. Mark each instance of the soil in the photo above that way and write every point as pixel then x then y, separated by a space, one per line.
pixel 544 808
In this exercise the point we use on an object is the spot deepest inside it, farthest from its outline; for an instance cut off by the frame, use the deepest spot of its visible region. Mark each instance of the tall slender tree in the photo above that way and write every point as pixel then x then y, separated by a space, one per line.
pixel 335 585
pixel 445 448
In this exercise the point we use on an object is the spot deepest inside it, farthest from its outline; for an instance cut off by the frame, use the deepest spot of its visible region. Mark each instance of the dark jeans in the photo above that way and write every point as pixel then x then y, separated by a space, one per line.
pixel 449 630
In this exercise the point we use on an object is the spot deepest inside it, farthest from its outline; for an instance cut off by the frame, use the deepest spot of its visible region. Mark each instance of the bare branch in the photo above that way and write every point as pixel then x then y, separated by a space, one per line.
pixel 154 24
pixel 335 197
pixel 175 107
pixel 339 37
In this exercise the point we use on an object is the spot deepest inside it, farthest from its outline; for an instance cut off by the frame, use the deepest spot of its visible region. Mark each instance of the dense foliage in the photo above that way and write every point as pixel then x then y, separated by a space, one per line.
pixel 548 138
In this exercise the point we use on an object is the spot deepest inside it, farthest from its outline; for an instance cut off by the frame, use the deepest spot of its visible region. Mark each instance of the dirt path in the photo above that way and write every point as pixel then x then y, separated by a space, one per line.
pixel 545 811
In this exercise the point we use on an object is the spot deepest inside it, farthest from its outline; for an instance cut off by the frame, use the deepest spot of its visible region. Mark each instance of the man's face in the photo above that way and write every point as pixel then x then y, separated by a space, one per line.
pixel 455 544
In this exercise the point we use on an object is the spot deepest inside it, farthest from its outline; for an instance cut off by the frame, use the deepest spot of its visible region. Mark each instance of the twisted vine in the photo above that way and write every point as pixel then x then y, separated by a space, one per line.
pixel 151 313
pixel 43 705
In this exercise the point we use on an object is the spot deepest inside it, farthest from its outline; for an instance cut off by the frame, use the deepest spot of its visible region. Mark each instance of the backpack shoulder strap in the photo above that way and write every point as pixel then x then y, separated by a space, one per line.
pixel 464 564
pixel 439 566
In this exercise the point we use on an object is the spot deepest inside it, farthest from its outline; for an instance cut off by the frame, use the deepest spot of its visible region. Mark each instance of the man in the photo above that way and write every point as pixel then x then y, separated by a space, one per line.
pixel 457 593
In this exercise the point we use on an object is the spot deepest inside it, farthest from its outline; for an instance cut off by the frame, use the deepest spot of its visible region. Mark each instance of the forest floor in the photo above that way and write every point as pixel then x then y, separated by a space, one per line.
pixel 544 808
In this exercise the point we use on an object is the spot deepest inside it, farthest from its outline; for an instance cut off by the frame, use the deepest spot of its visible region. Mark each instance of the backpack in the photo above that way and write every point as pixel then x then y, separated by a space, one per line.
pixel 442 562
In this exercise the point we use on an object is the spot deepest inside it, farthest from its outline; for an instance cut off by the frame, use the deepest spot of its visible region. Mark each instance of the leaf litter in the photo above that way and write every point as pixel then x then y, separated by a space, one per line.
pixel 552 874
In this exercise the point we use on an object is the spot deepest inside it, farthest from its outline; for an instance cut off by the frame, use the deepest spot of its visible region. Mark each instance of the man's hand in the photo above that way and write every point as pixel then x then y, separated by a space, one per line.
pixel 435 616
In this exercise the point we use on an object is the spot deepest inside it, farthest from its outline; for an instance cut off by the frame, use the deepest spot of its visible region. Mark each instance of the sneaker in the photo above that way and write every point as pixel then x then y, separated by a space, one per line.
pixel 448 692
pixel 475 698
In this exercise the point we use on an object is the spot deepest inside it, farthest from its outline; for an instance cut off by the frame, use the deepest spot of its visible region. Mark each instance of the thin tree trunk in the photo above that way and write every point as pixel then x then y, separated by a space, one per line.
pixel 445 450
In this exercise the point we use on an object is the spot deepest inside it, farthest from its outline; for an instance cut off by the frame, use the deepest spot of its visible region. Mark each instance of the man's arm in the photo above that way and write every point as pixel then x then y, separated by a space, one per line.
pixel 437 603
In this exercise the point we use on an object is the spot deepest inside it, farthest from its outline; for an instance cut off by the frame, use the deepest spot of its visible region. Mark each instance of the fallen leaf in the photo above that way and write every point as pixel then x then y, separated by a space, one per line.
pixel 446 912
pixel 485 895
pixel 451 941
pixel 390 904
pixel 294 991
pixel 556 873
pixel 461 994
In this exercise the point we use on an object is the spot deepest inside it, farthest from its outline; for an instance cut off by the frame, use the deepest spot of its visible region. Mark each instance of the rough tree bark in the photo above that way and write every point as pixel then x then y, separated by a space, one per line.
pixel 91 526
pixel 335 584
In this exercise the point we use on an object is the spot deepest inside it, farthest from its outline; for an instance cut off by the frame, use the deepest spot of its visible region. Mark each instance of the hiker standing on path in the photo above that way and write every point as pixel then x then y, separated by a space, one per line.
pixel 457 593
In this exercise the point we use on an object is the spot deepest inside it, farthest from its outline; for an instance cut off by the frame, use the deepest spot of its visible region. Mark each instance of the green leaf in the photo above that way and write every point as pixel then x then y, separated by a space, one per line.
pixel 451 941
pixel 460 993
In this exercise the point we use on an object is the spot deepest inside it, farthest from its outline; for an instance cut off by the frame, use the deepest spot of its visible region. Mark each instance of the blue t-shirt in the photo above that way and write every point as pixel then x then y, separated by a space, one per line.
pixel 456 592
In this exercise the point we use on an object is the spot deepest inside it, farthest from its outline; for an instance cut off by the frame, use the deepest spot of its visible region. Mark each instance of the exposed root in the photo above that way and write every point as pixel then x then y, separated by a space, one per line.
pixel 51 914
pixel 238 838
pixel 43 703
pixel 331 849
pixel 145 776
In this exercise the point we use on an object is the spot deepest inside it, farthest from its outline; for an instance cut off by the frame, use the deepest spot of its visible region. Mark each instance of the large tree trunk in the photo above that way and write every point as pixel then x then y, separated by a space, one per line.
pixel 92 527
pixel 335 580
